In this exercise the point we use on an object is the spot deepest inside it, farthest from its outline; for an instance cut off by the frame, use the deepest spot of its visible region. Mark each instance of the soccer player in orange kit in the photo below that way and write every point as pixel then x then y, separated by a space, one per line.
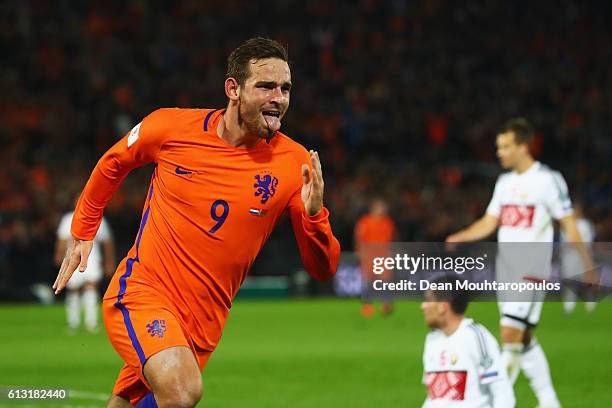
pixel 375 227
pixel 222 178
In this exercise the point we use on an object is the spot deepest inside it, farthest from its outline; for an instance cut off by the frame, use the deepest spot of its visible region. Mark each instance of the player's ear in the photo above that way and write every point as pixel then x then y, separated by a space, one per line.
pixel 232 89
pixel 526 149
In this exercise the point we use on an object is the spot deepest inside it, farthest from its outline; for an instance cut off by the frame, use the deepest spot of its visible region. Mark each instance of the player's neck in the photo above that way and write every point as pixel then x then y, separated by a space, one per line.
pixel 524 165
pixel 230 131
pixel 452 324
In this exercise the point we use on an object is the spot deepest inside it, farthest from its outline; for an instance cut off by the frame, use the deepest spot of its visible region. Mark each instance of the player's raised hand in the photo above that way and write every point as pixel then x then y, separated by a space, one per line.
pixel 77 253
pixel 312 188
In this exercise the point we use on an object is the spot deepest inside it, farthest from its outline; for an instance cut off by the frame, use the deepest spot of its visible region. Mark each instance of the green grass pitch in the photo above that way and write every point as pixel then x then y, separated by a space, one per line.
pixel 303 353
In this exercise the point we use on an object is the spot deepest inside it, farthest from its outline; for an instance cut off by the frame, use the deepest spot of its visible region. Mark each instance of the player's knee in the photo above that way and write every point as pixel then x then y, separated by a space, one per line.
pixel 178 400
pixel 175 377
pixel 181 394
pixel 511 335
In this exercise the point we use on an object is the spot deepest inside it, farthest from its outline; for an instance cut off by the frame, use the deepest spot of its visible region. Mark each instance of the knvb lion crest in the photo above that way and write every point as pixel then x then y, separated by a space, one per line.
pixel 265 187
pixel 157 328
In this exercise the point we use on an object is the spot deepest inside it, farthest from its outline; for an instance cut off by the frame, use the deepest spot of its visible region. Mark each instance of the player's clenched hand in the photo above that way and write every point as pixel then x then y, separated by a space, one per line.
pixel 312 188
pixel 77 253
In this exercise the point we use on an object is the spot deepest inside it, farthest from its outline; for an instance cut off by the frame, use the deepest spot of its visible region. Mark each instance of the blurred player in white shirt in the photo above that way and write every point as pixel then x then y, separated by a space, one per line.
pixel 571 264
pixel 462 363
pixel 82 287
pixel 525 201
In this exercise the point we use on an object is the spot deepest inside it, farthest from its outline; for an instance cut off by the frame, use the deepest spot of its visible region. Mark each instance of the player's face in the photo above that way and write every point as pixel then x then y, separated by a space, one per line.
pixel 264 98
pixel 508 151
pixel 379 208
pixel 432 311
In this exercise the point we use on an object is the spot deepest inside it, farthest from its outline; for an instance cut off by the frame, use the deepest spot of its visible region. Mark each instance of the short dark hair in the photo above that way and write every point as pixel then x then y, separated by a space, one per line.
pixel 522 129
pixel 457 298
pixel 257 48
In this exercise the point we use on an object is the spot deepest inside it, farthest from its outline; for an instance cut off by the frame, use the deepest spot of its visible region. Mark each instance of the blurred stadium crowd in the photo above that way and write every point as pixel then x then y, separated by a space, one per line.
pixel 402 98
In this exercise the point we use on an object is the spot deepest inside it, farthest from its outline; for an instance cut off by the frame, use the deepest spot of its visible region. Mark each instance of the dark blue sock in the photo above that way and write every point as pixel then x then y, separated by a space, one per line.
pixel 147 402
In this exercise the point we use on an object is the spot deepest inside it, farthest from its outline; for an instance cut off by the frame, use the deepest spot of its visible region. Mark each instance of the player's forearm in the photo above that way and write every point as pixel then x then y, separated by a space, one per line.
pixel 480 229
pixel 357 244
pixel 319 248
pixel 502 393
pixel 102 184
pixel 574 238
pixel 585 256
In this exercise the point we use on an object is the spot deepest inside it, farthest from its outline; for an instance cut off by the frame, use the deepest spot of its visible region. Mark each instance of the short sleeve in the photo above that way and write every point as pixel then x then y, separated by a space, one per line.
pixel 557 196
pixel 490 367
pixel 494 207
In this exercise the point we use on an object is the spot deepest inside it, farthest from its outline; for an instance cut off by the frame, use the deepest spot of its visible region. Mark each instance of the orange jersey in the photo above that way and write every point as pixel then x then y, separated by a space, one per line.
pixel 209 210
pixel 370 228
pixel 373 229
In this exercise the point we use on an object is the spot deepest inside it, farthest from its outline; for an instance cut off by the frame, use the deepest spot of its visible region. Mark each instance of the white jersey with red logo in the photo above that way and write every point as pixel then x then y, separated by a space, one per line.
pixel 525 204
pixel 459 368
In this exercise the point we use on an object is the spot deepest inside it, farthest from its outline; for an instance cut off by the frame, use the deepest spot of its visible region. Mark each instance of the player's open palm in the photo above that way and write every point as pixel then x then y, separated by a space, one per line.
pixel 312 188
pixel 77 253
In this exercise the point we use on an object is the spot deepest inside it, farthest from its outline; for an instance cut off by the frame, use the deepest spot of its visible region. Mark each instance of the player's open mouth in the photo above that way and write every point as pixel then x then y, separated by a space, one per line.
pixel 272 119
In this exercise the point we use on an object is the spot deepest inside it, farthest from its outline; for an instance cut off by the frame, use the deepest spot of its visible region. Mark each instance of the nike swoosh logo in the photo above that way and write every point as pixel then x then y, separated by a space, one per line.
pixel 178 170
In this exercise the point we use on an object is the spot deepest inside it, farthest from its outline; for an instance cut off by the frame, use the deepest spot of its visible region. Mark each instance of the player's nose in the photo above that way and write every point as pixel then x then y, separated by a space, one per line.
pixel 277 95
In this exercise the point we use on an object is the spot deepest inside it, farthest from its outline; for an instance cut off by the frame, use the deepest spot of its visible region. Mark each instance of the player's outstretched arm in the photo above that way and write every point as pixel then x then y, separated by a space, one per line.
pixel 568 223
pixel 139 146
pixel 480 229
pixel 77 254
